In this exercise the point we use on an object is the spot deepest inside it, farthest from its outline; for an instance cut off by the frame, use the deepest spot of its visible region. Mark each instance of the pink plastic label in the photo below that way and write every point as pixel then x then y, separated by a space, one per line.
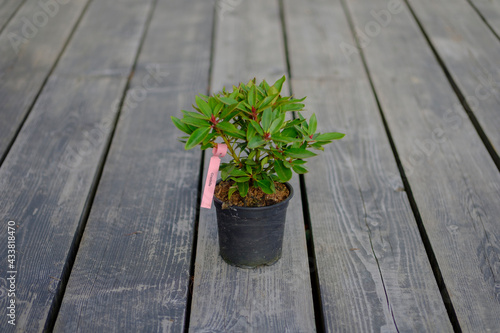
pixel 219 151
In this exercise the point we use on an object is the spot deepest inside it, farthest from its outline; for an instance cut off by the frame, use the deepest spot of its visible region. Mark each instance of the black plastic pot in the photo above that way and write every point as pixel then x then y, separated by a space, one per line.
pixel 251 236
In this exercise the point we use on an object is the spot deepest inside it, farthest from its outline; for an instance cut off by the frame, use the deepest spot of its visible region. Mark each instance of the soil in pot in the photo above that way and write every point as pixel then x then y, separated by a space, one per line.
pixel 254 198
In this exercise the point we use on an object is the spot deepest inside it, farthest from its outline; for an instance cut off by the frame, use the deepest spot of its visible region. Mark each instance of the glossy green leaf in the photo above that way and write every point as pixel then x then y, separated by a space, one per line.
pixel 256 141
pixel 226 170
pixel 276 124
pixel 299 153
pixel 251 132
pixel 299 169
pixel 180 125
pixel 243 188
pixel 197 137
pixel 283 172
pixel 227 100
pixel 257 127
pixel 293 107
pixel 207 111
pixel 232 189
pixel 279 83
pixel 195 115
pixel 329 136
pixel 252 96
pixel 266 119
pixel 238 173
pixel 240 179
pixel 196 122
pixel 313 123
pixel 265 186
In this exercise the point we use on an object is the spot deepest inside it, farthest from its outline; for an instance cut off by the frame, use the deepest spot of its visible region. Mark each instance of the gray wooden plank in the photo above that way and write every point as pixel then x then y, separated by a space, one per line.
pixel 7 8
pixel 29 46
pixel 249 43
pixel 373 272
pixel 490 11
pixel 470 52
pixel 455 184
pixel 46 181
pixel 132 271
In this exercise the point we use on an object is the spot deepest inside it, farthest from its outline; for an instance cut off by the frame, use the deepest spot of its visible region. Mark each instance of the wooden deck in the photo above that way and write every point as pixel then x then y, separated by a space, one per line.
pixel 396 228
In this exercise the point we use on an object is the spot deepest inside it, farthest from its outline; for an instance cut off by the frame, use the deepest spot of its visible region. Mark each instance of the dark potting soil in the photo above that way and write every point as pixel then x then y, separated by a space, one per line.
pixel 254 198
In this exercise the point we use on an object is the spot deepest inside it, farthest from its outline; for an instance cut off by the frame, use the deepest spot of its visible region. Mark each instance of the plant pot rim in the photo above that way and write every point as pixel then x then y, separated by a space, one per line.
pixel 243 208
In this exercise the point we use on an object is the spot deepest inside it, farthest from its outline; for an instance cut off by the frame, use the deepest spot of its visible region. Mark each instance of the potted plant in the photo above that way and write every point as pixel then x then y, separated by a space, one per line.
pixel 265 147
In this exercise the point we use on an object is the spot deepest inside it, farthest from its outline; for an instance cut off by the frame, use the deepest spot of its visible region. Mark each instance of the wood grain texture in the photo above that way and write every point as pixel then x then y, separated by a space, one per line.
pixel 470 52
pixel 45 184
pixel 454 181
pixel 490 11
pixel 48 179
pixel 132 270
pixel 28 52
pixel 7 8
pixel 374 275
pixel 273 298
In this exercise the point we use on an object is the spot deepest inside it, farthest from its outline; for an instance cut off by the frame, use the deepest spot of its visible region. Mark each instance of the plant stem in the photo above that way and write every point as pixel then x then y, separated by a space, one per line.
pixel 230 148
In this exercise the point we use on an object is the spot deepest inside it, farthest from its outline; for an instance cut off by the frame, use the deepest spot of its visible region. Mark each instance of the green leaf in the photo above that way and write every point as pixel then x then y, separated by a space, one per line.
pixel 232 189
pixel 299 169
pixel 232 130
pixel 298 162
pixel 301 130
pixel 266 119
pixel 299 153
pixel 195 114
pixel 238 173
pixel 266 101
pixel 264 161
pixel 284 139
pixel 276 124
pixel 256 141
pixel 216 109
pixel 197 137
pixel 252 96
pixel 243 188
pixel 265 186
pixel 250 132
pixel 329 136
pixel 207 111
pixel 279 83
pixel 227 100
pixel 240 179
pixel 226 170
pixel 196 122
pixel 228 110
pixel 273 91
pixel 227 127
pixel 293 107
pixel 313 123
pixel 283 173
pixel 264 85
pixel 180 125
pixel 257 127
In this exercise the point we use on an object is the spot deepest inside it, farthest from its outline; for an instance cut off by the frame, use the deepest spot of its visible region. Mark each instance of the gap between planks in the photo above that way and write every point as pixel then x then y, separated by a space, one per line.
pixel 423 234
pixel 56 305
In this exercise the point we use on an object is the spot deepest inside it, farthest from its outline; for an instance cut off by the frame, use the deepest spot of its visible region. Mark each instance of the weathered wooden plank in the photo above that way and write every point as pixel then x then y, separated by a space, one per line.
pixel 29 46
pixel 455 184
pixel 373 272
pixel 47 181
pixel 7 8
pixel 470 52
pixel 132 271
pixel 490 11
pixel 274 298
